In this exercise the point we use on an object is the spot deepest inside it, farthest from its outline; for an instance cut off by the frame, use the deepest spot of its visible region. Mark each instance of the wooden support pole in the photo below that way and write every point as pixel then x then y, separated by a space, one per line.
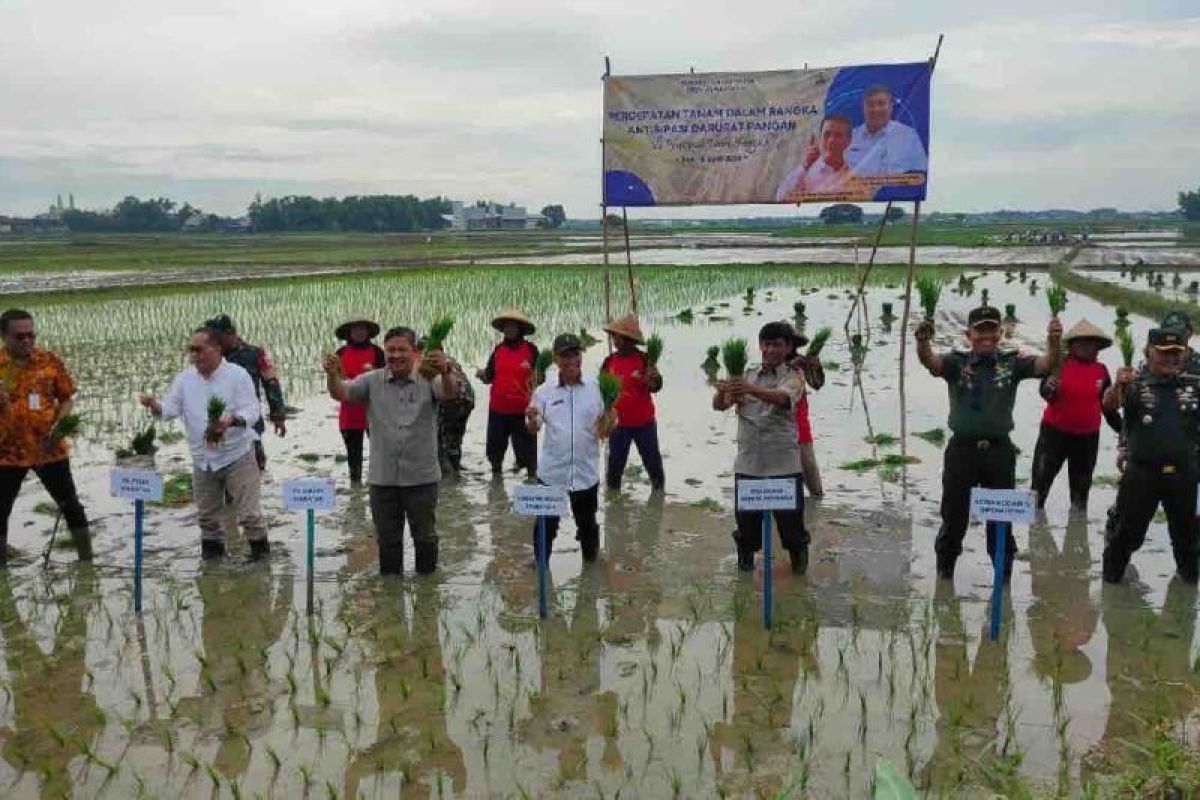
pixel 629 263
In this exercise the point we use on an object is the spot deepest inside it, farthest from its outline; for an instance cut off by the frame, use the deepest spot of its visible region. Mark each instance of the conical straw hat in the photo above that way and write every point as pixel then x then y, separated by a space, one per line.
pixel 1086 330
pixel 514 315
pixel 626 326
pixel 343 331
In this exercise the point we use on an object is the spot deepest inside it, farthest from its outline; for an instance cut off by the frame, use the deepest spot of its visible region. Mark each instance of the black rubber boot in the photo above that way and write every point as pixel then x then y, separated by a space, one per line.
pixel 745 554
pixel 426 557
pixel 945 566
pixel 391 561
pixel 1114 566
pixel 211 548
pixel 82 539
pixel 259 549
pixel 589 543
pixel 799 556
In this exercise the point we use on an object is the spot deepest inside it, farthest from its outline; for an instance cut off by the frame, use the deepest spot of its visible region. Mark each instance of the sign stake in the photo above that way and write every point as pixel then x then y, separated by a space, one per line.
pixel 312 535
pixel 1002 529
pixel 543 567
pixel 139 515
pixel 768 571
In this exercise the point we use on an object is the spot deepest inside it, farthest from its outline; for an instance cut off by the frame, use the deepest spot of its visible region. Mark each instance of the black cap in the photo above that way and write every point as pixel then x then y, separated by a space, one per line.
pixel 1178 320
pixel 1167 339
pixel 984 315
pixel 221 324
pixel 565 342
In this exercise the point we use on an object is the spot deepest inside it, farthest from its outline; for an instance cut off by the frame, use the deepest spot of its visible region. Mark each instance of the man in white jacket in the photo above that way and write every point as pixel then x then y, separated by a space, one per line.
pixel 219 409
pixel 569 412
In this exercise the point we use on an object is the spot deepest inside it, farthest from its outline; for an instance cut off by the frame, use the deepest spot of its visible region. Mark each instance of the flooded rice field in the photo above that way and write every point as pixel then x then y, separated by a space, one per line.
pixel 653 676
pixel 799 254
pixel 1125 256
pixel 1182 285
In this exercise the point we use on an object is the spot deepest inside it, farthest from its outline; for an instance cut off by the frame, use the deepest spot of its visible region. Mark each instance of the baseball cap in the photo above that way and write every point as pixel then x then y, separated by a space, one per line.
pixel 984 315
pixel 221 324
pixel 1178 320
pixel 1167 339
pixel 565 342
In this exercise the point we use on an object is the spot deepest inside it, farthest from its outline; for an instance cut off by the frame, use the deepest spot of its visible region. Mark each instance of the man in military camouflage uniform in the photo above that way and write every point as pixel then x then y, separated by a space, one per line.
pixel 452 422
pixel 256 362
pixel 982 386
pixel 1161 406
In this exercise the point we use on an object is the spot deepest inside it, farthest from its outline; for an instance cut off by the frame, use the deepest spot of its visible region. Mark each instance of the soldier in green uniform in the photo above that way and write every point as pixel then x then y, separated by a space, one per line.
pixel 1161 405
pixel 982 385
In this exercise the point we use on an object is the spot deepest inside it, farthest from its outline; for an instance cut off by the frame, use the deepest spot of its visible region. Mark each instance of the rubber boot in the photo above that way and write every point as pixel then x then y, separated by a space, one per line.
pixel 799 556
pixel 391 561
pixel 945 566
pixel 745 554
pixel 259 549
pixel 589 544
pixel 426 557
pixel 1114 565
pixel 82 539
pixel 211 548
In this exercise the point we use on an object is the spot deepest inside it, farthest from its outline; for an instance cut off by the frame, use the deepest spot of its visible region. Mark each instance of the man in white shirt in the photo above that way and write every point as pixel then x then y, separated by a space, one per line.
pixel 218 406
pixel 881 145
pixel 569 411
pixel 825 169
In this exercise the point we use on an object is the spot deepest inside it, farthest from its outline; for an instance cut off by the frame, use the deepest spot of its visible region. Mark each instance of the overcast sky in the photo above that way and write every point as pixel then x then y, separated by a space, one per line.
pixel 1035 104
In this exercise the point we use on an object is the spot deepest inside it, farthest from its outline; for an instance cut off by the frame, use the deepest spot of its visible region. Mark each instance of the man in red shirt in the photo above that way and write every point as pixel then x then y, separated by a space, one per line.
pixel 635 406
pixel 510 371
pixel 360 354
pixel 1071 423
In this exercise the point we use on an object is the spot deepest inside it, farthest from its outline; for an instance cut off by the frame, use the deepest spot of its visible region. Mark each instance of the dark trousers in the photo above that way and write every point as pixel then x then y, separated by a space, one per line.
pixel 646 439
pixel 452 427
pixel 1143 487
pixel 584 505
pixel 56 477
pixel 503 427
pixel 354 452
pixel 1055 447
pixel 990 463
pixel 391 507
pixel 790 524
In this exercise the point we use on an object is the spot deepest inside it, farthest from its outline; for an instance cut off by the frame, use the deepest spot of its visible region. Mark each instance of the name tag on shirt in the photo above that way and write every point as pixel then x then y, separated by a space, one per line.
pixel 35 401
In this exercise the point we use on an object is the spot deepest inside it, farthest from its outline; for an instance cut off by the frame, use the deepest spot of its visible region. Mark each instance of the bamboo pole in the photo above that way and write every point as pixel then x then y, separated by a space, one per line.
pixel 629 263
pixel 604 205
pixel 870 263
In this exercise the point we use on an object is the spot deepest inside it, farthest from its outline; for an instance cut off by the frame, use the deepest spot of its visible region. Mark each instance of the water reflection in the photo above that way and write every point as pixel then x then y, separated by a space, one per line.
pixel 55 718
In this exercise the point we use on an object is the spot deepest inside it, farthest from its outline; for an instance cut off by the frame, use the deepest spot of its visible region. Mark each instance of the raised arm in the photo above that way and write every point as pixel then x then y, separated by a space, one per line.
pixel 338 389
pixel 1049 361
pixel 1114 396
pixel 929 359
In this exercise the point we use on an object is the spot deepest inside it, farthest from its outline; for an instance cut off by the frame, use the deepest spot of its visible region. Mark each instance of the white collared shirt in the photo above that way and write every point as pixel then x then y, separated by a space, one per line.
pixel 819 178
pixel 570 453
pixel 892 150
pixel 188 398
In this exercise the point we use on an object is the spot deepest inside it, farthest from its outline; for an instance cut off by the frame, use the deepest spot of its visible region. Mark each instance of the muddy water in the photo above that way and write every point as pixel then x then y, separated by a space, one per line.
pixel 653 675
pixel 1146 280
pixel 842 254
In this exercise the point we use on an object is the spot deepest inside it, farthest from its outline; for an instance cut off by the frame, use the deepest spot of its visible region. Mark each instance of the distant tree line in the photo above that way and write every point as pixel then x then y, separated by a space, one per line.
pixel 131 215
pixel 368 213
pixel 1189 204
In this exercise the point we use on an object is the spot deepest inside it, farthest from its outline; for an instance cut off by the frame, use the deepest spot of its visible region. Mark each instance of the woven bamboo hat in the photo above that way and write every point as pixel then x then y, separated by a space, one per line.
pixel 1086 330
pixel 514 315
pixel 626 326
pixel 343 331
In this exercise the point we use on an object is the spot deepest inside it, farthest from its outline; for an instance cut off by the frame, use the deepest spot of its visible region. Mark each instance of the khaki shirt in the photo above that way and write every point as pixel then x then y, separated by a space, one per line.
pixel 767 443
pixel 402 418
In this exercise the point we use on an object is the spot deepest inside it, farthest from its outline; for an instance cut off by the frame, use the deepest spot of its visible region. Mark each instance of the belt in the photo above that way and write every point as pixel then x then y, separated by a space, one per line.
pixel 986 443
pixel 1160 468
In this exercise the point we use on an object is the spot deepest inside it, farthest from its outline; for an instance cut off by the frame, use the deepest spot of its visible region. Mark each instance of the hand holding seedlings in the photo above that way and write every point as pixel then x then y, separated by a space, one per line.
pixel 924 331
pixel 150 404
pixel 332 365
pixel 437 362
pixel 1054 329
pixel 533 419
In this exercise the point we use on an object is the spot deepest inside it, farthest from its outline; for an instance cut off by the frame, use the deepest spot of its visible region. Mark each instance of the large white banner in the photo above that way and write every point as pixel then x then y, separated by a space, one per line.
pixel 818 135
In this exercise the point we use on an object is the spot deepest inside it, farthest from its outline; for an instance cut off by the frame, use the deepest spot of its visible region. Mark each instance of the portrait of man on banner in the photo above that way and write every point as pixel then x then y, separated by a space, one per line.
pixel 882 145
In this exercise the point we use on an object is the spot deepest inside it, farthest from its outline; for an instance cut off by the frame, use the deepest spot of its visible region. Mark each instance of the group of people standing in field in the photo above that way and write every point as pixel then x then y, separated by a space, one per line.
pixel 411 403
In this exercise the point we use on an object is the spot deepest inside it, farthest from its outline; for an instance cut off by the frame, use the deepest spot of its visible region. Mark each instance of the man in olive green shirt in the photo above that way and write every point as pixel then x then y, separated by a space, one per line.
pixel 1161 406
pixel 982 387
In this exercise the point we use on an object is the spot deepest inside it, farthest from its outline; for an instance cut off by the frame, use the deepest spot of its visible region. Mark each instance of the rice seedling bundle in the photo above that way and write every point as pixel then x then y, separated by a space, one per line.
pixel 544 359
pixel 1125 342
pixel 434 342
pixel 68 426
pixel 654 349
pixel 216 409
pixel 733 353
pixel 930 290
pixel 1056 296
pixel 819 339
pixel 610 389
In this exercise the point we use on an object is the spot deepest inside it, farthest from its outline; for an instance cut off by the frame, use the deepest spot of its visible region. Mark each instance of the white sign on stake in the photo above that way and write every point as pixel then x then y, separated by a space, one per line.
pixel 135 484
pixel 766 494
pixel 309 494
pixel 540 501
pixel 1002 505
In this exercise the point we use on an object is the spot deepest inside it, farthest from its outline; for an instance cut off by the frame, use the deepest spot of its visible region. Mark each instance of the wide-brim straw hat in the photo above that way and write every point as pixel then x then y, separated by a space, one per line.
pixel 626 326
pixel 343 331
pixel 1086 330
pixel 514 315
